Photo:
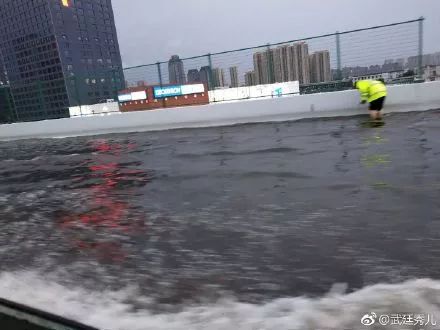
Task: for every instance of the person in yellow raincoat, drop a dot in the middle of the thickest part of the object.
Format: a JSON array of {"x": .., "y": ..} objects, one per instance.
[{"x": 373, "y": 92}]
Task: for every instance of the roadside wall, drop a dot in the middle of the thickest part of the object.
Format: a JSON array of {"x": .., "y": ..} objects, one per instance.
[{"x": 402, "y": 98}]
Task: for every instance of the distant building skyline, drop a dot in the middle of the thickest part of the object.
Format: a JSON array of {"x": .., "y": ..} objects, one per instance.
[
  {"x": 205, "y": 75},
  {"x": 218, "y": 77},
  {"x": 193, "y": 76},
  {"x": 299, "y": 60},
  {"x": 281, "y": 63},
  {"x": 249, "y": 78},
  {"x": 320, "y": 70},
  {"x": 432, "y": 59},
  {"x": 263, "y": 67},
  {"x": 291, "y": 62},
  {"x": 233, "y": 74},
  {"x": 176, "y": 70}
]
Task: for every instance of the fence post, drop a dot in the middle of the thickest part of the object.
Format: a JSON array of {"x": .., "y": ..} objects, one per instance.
[
  {"x": 338, "y": 56},
  {"x": 210, "y": 84},
  {"x": 159, "y": 73},
  {"x": 420, "y": 57}
]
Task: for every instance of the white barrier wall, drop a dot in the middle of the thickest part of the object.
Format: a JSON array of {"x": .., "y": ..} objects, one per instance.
[
  {"x": 94, "y": 110},
  {"x": 402, "y": 98},
  {"x": 259, "y": 91}
]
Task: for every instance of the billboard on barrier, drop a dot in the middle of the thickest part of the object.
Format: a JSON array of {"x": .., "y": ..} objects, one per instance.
[
  {"x": 177, "y": 90},
  {"x": 168, "y": 91},
  {"x": 193, "y": 89},
  {"x": 124, "y": 98},
  {"x": 250, "y": 92},
  {"x": 141, "y": 95}
]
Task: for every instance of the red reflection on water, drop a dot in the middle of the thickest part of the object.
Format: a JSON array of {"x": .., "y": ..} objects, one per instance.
[{"x": 106, "y": 212}]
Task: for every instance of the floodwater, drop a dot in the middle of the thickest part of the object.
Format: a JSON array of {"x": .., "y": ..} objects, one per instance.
[{"x": 298, "y": 225}]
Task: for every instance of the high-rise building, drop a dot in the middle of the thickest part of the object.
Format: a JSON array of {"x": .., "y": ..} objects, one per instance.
[
  {"x": 263, "y": 67},
  {"x": 176, "y": 70},
  {"x": 249, "y": 78},
  {"x": 260, "y": 67},
  {"x": 298, "y": 63},
  {"x": 233, "y": 73},
  {"x": 281, "y": 64},
  {"x": 193, "y": 76},
  {"x": 218, "y": 77},
  {"x": 59, "y": 53},
  {"x": 206, "y": 76},
  {"x": 292, "y": 64},
  {"x": 320, "y": 67}
]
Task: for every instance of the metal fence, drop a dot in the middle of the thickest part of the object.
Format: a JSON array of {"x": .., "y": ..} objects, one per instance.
[
  {"x": 321, "y": 64},
  {"x": 391, "y": 49}
]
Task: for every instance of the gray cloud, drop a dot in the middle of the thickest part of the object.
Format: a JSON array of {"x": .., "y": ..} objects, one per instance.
[{"x": 151, "y": 31}]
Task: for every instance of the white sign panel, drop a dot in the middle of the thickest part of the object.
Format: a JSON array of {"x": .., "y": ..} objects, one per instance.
[
  {"x": 193, "y": 89},
  {"x": 136, "y": 96},
  {"x": 124, "y": 98},
  {"x": 259, "y": 91}
]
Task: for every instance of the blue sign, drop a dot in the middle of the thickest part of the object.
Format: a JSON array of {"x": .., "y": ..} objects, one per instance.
[
  {"x": 279, "y": 92},
  {"x": 168, "y": 91}
]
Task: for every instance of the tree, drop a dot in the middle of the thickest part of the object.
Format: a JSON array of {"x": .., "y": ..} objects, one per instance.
[{"x": 409, "y": 73}]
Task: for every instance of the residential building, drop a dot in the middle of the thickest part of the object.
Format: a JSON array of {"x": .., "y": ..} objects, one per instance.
[
  {"x": 260, "y": 67},
  {"x": 233, "y": 74},
  {"x": 218, "y": 77},
  {"x": 193, "y": 76},
  {"x": 319, "y": 63},
  {"x": 249, "y": 78},
  {"x": 281, "y": 64},
  {"x": 263, "y": 67},
  {"x": 298, "y": 63},
  {"x": 176, "y": 70},
  {"x": 59, "y": 53},
  {"x": 206, "y": 76}
]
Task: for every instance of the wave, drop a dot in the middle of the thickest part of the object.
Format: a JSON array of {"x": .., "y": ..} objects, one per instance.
[
  {"x": 239, "y": 153},
  {"x": 115, "y": 310},
  {"x": 236, "y": 174}
]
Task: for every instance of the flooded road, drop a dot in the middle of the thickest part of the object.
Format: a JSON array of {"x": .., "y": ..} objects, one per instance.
[{"x": 205, "y": 228}]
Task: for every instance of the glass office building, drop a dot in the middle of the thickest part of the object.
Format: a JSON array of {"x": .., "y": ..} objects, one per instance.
[{"x": 58, "y": 54}]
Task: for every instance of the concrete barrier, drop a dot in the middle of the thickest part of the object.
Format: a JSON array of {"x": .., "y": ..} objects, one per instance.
[
  {"x": 414, "y": 97},
  {"x": 94, "y": 110}
]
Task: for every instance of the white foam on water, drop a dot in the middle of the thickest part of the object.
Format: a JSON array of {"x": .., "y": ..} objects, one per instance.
[{"x": 336, "y": 310}]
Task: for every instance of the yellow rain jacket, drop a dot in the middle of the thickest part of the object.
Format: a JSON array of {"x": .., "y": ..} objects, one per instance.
[{"x": 371, "y": 90}]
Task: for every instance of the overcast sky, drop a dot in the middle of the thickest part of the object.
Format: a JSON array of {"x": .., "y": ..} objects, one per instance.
[{"x": 151, "y": 31}]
